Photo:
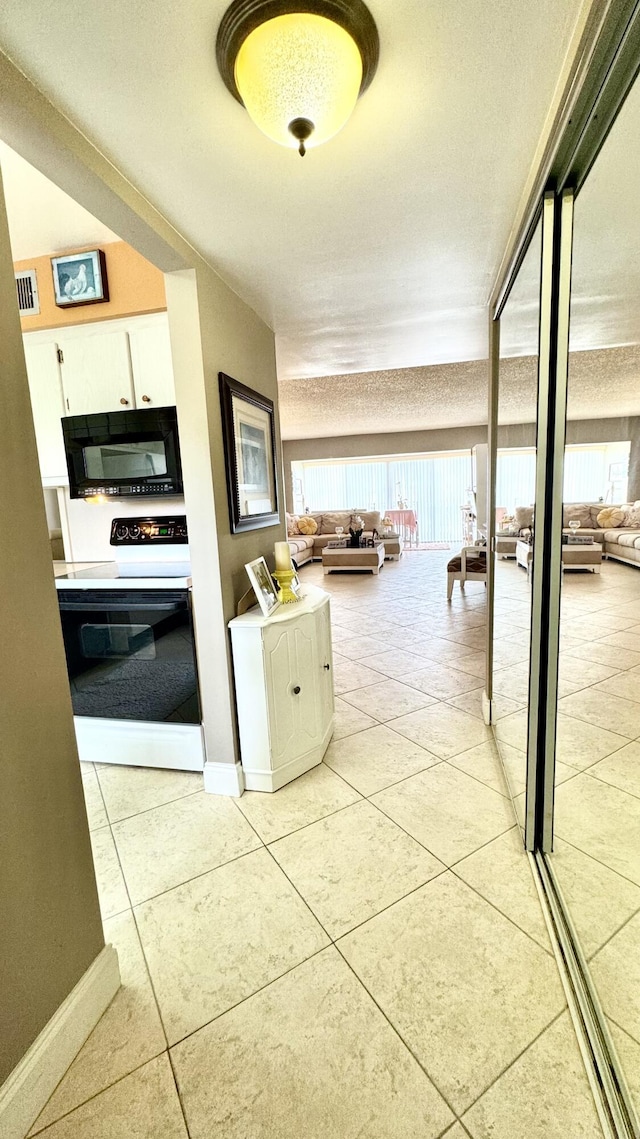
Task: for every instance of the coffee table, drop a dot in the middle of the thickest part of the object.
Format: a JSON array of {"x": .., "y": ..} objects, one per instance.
[
  {"x": 582, "y": 557},
  {"x": 353, "y": 558},
  {"x": 588, "y": 557}
]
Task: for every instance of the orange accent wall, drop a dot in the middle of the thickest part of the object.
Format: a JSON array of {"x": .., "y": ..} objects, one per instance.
[{"x": 135, "y": 287}]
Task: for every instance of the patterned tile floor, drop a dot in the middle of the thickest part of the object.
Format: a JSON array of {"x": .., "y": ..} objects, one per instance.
[{"x": 360, "y": 954}]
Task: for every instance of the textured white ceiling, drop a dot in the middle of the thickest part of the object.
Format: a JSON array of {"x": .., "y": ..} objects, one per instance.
[
  {"x": 376, "y": 251},
  {"x": 43, "y": 219},
  {"x": 605, "y": 298},
  {"x": 602, "y": 384}
]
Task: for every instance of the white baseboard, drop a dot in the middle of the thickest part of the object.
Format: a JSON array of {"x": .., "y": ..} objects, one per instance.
[
  {"x": 26, "y": 1091},
  {"x": 224, "y": 779},
  {"x": 136, "y": 743},
  {"x": 257, "y": 779}
]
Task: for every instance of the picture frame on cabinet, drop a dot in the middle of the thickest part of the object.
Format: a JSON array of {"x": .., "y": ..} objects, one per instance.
[
  {"x": 264, "y": 586},
  {"x": 80, "y": 279},
  {"x": 248, "y": 428}
]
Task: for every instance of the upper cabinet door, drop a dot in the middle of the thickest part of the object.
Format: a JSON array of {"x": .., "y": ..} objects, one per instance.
[
  {"x": 152, "y": 364},
  {"x": 45, "y": 389},
  {"x": 96, "y": 372}
]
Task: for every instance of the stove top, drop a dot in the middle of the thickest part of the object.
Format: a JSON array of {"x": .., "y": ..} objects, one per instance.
[{"x": 129, "y": 575}]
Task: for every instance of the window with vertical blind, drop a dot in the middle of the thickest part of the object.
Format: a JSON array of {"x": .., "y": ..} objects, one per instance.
[
  {"x": 437, "y": 485},
  {"x": 592, "y": 472}
]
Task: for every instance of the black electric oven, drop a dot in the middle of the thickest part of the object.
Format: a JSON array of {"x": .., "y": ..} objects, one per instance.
[
  {"x": 131, "y": 654},
  {"x": 123, "y": 453}
]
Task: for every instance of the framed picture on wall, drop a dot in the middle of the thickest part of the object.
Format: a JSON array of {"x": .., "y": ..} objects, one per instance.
[
  {"x": 80, "y": 279},
  {"x": 263, "y": 585},
  {"x": 249, "y": 446}
]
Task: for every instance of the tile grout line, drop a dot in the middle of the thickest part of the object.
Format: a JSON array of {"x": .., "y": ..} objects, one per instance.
[
  {"x": 194, "y": 877},
  {"x": 178, "y": 1092},
  {"x": 488, "y": 901},
  {"x": 564, "y": 1010},
  {"x": 624, "y": 1030},
  {"x": 156, "y": 807},
  {"x": 388, "y": 786},
  {"x": 399, "y": 1036},
  {"x": 130, "y": 910},
  {"x": 54, "y": 1122},
  {"x": 615, "y": 933},
  {"x": 250, "y": 996},
  {"x": 588, "y": 854},
  {"x": 623, "y": 791}
]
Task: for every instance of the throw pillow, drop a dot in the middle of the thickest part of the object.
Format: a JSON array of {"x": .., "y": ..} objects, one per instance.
[
  {"x": 577, "y": 511},
  {"x": 523, "y": 516},
  {"x": 307, "y": 524},
  {"x": 333, "y": 519},
  {"x": 292, "y": 525},
  {"x": 632, "y": 518},
  {"x": 610, "y": 518}
]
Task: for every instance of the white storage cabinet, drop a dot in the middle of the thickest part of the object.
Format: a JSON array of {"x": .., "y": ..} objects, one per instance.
[{"x": 283, "y": 669}]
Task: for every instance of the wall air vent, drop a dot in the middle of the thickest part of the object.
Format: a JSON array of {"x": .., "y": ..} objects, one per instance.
[{"x": 27, "y": 287}]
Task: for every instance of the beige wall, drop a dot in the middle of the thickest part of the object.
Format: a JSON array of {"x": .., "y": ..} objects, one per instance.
[
  {"x": 213, "y": 331},
  {"x": 50, "y": 930},
  {"x": 135, "y": 287},
  {"x": 394, "y": 443},
  {"x": 460, "y": 439}
]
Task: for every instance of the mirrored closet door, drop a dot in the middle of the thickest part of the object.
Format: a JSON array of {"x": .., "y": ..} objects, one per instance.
[
  {"x": 515, "y": 484},
  {"x": 596, "y": 841}
]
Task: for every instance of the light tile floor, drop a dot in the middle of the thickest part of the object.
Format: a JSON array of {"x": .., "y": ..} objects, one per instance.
[
  {"x": 361, "y": 953},
  {"x": 597, "y": 806}
]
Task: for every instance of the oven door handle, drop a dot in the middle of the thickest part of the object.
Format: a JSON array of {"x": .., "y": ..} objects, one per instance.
[{"x": 121, "y": 607}]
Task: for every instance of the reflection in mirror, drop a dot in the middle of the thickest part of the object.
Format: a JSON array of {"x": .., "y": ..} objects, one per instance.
[
  {"x": 597, "y": 811},
  {"x": 515, "y": 493}
]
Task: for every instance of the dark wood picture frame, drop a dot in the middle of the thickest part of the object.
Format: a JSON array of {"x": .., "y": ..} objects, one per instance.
[
  {"x": 97, "y": 263},
  {"x": 254, "y": 413}
]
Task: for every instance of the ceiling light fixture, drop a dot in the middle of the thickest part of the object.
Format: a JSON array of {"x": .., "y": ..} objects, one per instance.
[{"x": 298, "y": 68}]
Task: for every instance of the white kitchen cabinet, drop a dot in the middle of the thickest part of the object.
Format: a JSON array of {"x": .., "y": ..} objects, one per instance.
[
  {"x": 283, "y": 671},
  {"x": 47, "y": 403},
  {"x": 96, "y": 370},
  {"x": 102, "y": 364},
  {"x": 151, "y": 363}
]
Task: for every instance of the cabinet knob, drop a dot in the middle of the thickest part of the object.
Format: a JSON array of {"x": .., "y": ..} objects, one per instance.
[
  {"x": 296, "y": 690},
  {"x": 146, "y": 399},
  {"x": 123, "y": 400},
  {"x": 327, "y": 667}
]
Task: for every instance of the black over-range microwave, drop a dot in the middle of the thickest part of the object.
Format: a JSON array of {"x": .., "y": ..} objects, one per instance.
[{"x": 123, "y": 453}]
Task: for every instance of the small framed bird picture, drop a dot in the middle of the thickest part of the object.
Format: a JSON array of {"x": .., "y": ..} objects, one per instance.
[{"x": 80, "y": 279}]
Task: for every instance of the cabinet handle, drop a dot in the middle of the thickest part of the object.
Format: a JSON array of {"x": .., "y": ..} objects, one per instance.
[
  {"x": 146, "y": 399},
  {"x": 296, "y": 690},
  {"x": 123, "y": 400},
  {"x": 327, "y": 667}
]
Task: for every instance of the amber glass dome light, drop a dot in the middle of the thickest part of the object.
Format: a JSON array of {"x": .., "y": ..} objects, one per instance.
[{"x": 298, "y": 69}]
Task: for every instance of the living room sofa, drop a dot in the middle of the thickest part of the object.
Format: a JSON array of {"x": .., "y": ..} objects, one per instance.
[
  {"x": 621, "y": 542},
  {"x": 304, "y": 547}
]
